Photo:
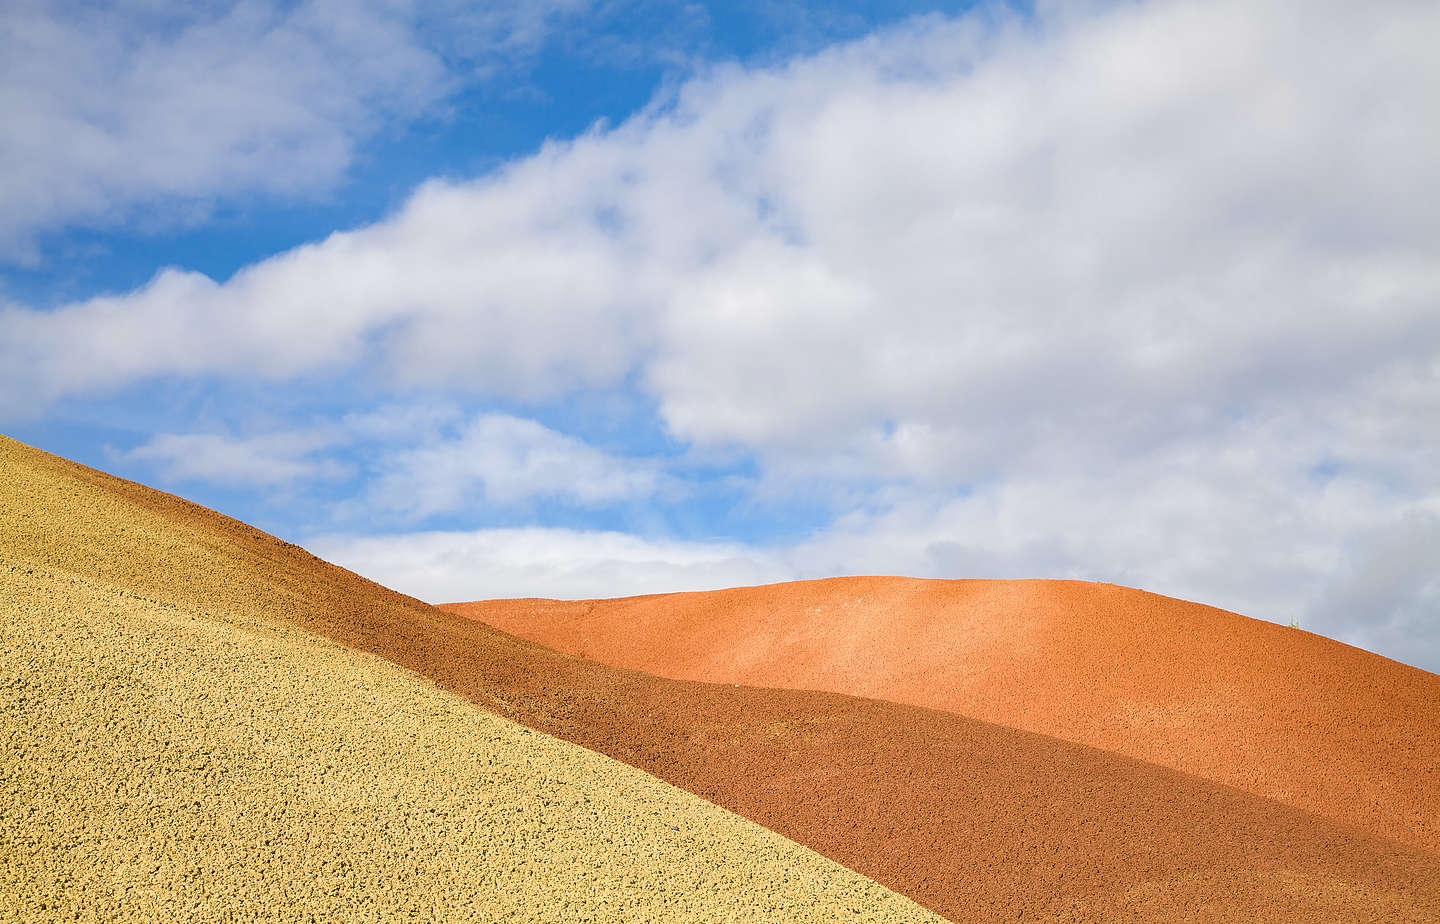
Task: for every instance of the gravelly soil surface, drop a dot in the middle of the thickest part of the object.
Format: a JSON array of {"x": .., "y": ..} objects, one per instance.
[
  {"x": 974, "y": 820},
  {"x": 164, "y": 764},
  {"x": 1281, "y": 713}
]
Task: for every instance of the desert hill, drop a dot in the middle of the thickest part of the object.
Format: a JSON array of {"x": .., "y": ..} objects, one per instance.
[
  {"x": 1277, "y": 712},
  {"x": 168, "y": 763},
  {"x": 971, "y": 819}
]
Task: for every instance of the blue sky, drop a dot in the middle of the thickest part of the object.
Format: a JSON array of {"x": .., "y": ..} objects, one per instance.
[{"x": 582, "y": 298}]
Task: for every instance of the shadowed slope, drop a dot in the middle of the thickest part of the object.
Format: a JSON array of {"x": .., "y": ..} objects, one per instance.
[
  {"x": 976, "y": 821},
  {"x": 1277, "y": 712}
]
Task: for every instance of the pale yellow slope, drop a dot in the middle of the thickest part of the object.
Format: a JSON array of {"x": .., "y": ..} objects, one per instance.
[{"x": 167, "y": 763}]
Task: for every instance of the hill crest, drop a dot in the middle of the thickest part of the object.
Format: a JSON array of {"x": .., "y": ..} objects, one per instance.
[{"x": 1275, "y": 711}]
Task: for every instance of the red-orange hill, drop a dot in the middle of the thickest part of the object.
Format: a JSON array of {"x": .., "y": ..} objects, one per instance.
[{"x": 1274, "y": 711}]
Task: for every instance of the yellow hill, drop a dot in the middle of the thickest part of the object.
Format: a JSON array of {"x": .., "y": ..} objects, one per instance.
[{"x": 167, "y": 757}]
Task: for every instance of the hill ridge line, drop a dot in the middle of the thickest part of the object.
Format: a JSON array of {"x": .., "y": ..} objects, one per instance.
[{"x": 972, "y": 820}]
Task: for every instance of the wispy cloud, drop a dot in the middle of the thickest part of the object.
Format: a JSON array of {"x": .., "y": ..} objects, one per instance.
[
  {"x": 269, "y": 460},
  {"x": 414, "y": 461}
]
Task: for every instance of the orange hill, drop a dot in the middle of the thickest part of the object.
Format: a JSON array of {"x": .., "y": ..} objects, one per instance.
[{"x": 1274, "y": 711}]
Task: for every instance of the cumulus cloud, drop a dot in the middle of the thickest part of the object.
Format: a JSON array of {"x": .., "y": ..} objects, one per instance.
[
  {"x": 444, "y": 567},
  {"x": 155, "y": 109},
  {"x": 1141, "y": 291}
]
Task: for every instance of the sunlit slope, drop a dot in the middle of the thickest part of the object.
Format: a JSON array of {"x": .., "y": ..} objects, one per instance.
[
  {"x": 1281, "y": 713},
  {"x": 974, "y": 820},
  {"x": 172, "y": 764}
]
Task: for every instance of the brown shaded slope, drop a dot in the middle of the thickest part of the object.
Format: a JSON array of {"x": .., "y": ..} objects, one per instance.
[
  {"x": 971, "y": 819},
  {"x": 1284, "y": 714}
]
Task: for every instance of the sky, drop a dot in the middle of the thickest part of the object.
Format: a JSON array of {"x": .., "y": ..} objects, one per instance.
[{"x": 579, "y": 298}]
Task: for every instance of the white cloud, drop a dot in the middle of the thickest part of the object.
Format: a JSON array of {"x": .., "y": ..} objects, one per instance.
[
  {"x": 528, "y": 301},
  {"x": 268, "y": 460},
  {"x": 417, "y": 460},
  {"x": 444, "y": 567},
  {"x": 935, "y": 227},
  {"x": 500, "y": 460},
  {"x": 1153, "y": 288},
  {"x": 154, "y": 109}
]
